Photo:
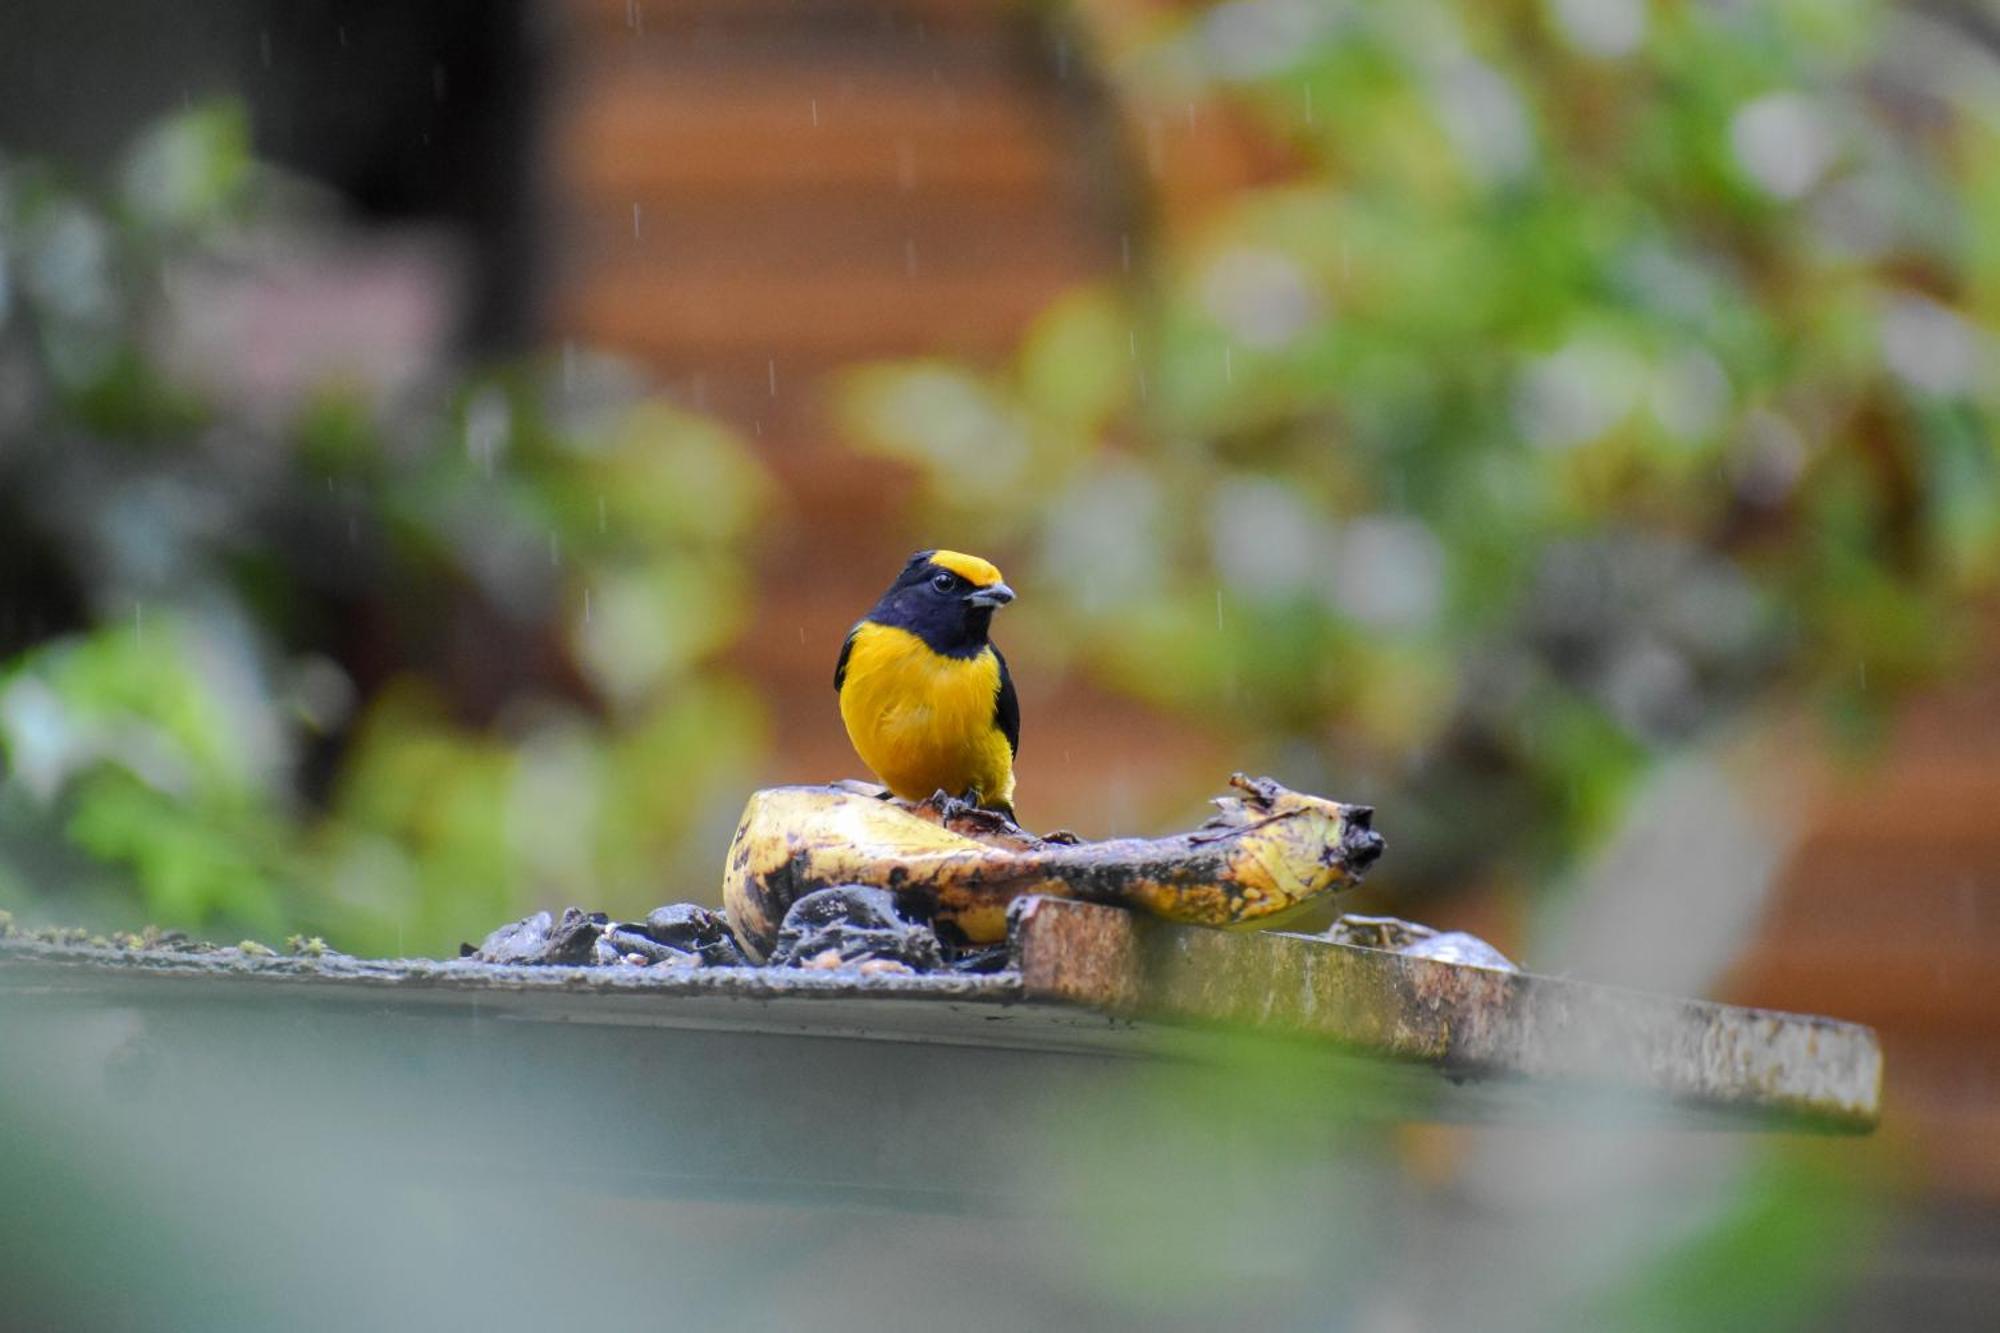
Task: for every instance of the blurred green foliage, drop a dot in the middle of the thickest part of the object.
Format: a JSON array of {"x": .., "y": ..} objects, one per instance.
[
  {"x": 384, "y": 665},
  {"x": 1568, "y": 377}
]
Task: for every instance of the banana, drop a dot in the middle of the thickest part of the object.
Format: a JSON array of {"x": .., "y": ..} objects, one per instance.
[{"x": 1268, "y": 852}]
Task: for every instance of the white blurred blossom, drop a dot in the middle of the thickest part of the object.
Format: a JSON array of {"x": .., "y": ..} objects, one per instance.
[
  {"x": 1690, "y": 396},
  {"x": 1247, "y": 39},
  {"x": 1262, "y": 297},
  {"x": 1929, "y": 347},
  {"x": 1388, "y": 572},
  {"x": 1606, "y": 28},
  {"x": 1770, "y": 458},
  {"x": 1267, "y": 542},
  {"x": 67, "y": 264},
  {"x": 1577, "y": 393},
  {"x": 1102, "y": 538},
  {"x": 1485, "y": 120},
  {"x": 1783, "y": 142}
]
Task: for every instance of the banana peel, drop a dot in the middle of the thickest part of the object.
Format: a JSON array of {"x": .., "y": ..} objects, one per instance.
[{"x": 1268, "y": 852}]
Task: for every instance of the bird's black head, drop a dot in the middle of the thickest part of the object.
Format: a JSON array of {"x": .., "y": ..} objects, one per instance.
[{"x": 945, "y": 598}]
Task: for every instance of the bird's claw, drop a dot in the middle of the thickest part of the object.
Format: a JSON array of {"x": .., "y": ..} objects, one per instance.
[{"x": 966, "y": 811}]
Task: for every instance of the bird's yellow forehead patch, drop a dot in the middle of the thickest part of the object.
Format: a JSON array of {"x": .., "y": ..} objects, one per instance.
[{"x": 979, "y": 573}]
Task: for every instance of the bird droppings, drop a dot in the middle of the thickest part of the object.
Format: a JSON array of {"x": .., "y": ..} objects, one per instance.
[
  {"x": 851, "y": 926},
  {"x": 1407, "y": 937},
  {"x": 846, "y": 927},
  {"x": 677, "y": 935}
]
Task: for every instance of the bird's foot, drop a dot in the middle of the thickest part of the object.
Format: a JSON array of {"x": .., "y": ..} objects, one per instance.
[{"x": 966, "y": 814}]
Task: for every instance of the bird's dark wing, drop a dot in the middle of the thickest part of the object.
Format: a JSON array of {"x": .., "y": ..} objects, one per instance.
[
  {"x": 1007, "y": 708},
  {"x": 840, "y": 667}
]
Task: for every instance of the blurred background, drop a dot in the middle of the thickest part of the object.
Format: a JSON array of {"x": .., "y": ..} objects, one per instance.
[{"x": 443, "y": 444}]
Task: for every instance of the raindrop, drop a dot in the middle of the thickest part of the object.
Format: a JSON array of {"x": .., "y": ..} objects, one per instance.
[
  {"x": 487, "y": 422},
  {"x": 1228, "y": 367},
  {"x": 343, "y": 36},
  {"x": 815, "y": 112},
  {"x": 802, "y": 634},
  {"x": 635, "y": 222},
  {"x": 1132, "y": 341},
  {"x": 586, "y": 606},
  {"x": 437, "y": 81},
  {"x": 773, "y": 367}
]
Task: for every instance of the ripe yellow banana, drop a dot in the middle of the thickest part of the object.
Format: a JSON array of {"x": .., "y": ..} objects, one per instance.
[{"x": 1269, "y": 851}]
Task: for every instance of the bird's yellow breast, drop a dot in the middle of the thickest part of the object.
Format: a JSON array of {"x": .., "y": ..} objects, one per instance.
[{"x": 922, "y": 721}]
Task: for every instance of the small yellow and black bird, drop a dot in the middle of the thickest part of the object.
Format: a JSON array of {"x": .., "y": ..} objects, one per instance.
[{"x": 926, "y": 697}]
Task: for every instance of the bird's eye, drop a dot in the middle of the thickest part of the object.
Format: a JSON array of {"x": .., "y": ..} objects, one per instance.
[{"x": 942, "y": 582}]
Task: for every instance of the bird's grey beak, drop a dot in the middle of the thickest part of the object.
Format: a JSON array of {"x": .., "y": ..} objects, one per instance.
[{"x": 997, "y": 595}]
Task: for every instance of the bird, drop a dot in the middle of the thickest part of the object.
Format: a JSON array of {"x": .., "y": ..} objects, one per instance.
[{"x": 925, "y": 696}]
